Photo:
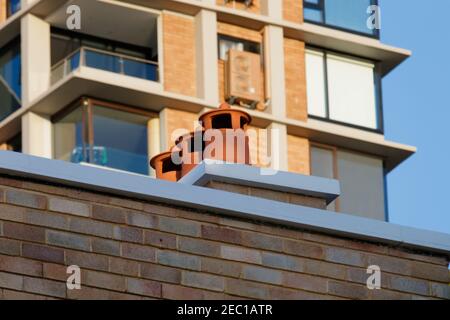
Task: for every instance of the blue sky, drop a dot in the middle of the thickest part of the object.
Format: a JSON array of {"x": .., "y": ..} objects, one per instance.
[{"x": 417, "y": 111}]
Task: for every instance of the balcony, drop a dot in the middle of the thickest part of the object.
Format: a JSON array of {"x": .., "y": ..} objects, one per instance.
[{"x": 106, "y": 61}]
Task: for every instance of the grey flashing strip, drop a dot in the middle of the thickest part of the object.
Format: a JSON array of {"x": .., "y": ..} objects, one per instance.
[
  {"x": 221, "y": 202},
  {"x": 282, "y": 181}
]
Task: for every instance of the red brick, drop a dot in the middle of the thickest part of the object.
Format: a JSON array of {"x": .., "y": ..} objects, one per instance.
[
  {"x": 247, "y": 289},
  {"x": 87, "y": 293},
  {"x": 110, "y": 214},
  {"x": 430, "y": 272},
  {"x": 45, "y": 287},
  {"x": 160, "y": 239},
  {"x": 12, "y": 213},
  {"x": 9, "y": 247},
  {"x": 305, "y": 282},
  {"x": 203, "y": 280},
  {"x": 137, "y": 219},
  {"x": 261, "y": 274},
  {"x": 348, "y": 290},
  {"x": 262, "y": 241},
  {"x": 241, "y": 254},
  {"x": 176, "y": 259},
  {"x": 221, "y": 267},
  {"x": 91, "y": 227},
  {"x": 46, "y": 219},
  {"x": 68, "y": 206},
  {"x": 87, "y": 260},
  {"x": 20, "y": 266},
  {"x": 409, "y": 285},
  {"x": 103, "y": 280},
  {"x": 11, "y": 281},
  {"x": 390, "y": 264},
  {"x": 303, "y": 249},
  {"x": 144, "y": 287},
  {"x": 221, "y": 234},
  {"x": 125, "y": 267},
  {"x": 55, "y": 272},
  {"x": 138, "y": 252},
  {"x": 15, "y": 295},
  {"x": 128, "y": 234},
  {"x": 197, "y": 246},
  {"x": 107, "y": 247},
  {"x": 43, "y": 253},
  {"x": 23, "y": 232},
  {"x": 26, "y": 199},
  {"x": 175, "y": 292},
  {"x": 160, "y": 273},
  {"x": 179, "y": 226},
  {"x": 68, "y": 240}
]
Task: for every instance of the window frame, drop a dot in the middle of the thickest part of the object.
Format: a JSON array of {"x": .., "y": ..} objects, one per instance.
[
  {"x": 235, "y": 39},
  {"x": 378, "y": 92},
  {"x": 87, "y": 104},
  {"x": 334, "y": 150},
  {"x": 321, "y": 8}
]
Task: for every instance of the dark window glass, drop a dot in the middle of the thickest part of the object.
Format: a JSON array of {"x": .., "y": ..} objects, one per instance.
[
  {"x": 69, "y": 138},
  {"x": 120, "y": 140},
  {"x": 10, "y": 79},
  {"x": 351, "y": 15},
  {"x": 12, "y": 7}
]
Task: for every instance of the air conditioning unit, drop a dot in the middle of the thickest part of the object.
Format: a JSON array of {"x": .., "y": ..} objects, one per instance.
[{"x": 243, "y": 78}]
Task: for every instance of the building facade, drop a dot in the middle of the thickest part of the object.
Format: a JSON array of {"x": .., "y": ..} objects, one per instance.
[
  {"x": 112, "y": 92},
  {"x": 104, "y": 94}
]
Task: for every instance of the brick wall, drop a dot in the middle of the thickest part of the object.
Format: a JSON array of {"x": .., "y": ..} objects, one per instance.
[
  {"x": 2, "y": 10},
  {"x": 239, "y": 5},
  {"x": 295, "y": 73},
  {"x": 178, "y": 119},
  {"x": 293, "y": 10},
  {"x": 138, "y": 250},
  {"x": 179, "y": 54},
  {"x": 298, "y": 155}
]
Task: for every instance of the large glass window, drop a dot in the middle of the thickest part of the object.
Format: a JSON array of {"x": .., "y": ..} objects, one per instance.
[
  {"x": 351, "y": 15},
  {"x": 361, "y": 177},
  {"x": 10, "y": 79},
  {"x": 343, "y": 89},
  {"x": 103, "y": 134}
]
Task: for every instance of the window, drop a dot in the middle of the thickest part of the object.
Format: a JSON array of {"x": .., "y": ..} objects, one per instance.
[
  {"x": 361, "y": 177},
  {"x": 226, "y": 43},
  {"x": 12, "y": 6},
  {"x": 10, "y": 79},
  {"x": 349, "y": 15},
  {"x": 343, "y": 89},
  {"x": 103, "y": 134}
]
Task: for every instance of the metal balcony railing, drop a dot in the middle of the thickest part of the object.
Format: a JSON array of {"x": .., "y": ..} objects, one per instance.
[{"x": 107, "y": 61}]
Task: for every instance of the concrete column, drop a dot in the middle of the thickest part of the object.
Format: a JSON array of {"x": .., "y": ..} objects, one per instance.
[
  {"x": 163, "y": 144},
  {"x": 37, "y": 135},
  {"x": 36, "y": 57},
  {"x": 207, "y": 56},
  {"x": 278, "y": 146},
  {"x": 274, "y": 70},
  {"x": 154, "y": 140},
  {"x": 273, "y": 9}
]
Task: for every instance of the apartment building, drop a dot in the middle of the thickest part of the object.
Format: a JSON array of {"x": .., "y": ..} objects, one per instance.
[
  {"x": 108, "y": 97},
  {"x": 112, "y": 93}
]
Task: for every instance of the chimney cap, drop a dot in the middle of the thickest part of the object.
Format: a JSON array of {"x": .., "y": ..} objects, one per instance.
[{"x": 225, "y": 108}]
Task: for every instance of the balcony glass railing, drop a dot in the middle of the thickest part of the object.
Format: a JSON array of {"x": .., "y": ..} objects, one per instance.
[{"x": 107, "y": 61}]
